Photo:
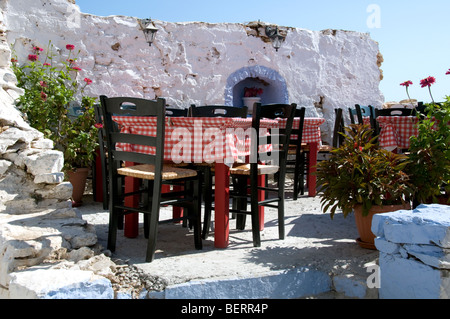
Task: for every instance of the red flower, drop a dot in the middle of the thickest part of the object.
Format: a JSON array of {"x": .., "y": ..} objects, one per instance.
[
  {"x": 407, "y": 83},
  {"x": 75, "y": 68},
  {"x": 70, "y": 47},
  {"x": 427, "y": 82},
  {"x": 14, "y": 60},
  {"x": 47, "y": 64},
  {"x": 252, "y": 92},
  {"x": 88, "y": 81},
  {"x": 43, "y": 84},
  {"x": 448, "y": 72},
  {"x": 32, "y": 57},
  {"x": 37, "y": 49},
  {"x": 98, "y": 125},
  {"x": 44, "y": 96}
]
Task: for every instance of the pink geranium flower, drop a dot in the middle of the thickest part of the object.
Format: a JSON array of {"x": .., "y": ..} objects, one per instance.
[
  {"x": 32, "y": 57},
  {"x": 43, "y": 84},
  {"x": 75, "y": 68},
  {"x": 427, "y": 81},
  {"x": 70, "y": 47},
  {"x": 88, "y": 81},
  {"x": 37, "y": 50},
  {"x": 406, "y": 83}
]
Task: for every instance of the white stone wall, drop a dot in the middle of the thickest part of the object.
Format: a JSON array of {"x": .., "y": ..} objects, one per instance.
[{"x": 192, "y": 62}]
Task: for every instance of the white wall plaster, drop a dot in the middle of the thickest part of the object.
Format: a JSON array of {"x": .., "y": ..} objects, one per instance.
[{"x": 193, "y": 62}]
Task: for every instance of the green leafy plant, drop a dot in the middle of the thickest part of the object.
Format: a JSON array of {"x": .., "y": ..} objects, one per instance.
[
  {"x": 51, "y": 89},
  {"x": 429, "y": 154},
  {"x": 360, "y": 173}
]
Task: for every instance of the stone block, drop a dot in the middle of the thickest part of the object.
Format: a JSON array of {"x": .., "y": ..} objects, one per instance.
[
  {"x": 424, "y": 225},
  {"x": 44, "y": 283},
  {"x": 45, "y": 162},
  {"x": 410, "y": 279}
]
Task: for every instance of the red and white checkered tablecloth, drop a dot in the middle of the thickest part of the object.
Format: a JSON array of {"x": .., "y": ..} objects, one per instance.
[
  {"x": 206, "y": 139},
  {"x": 311, "y": 129},
  {"x": 395, "y": 131}
]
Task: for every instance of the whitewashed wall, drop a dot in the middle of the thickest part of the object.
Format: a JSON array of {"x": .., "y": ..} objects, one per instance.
[{"x": 193, "y": 62}]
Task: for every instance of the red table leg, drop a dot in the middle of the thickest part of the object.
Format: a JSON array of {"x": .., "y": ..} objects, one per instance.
[
  {"x": 222, "y": 208},
  {"x": 312, "y": 159}
]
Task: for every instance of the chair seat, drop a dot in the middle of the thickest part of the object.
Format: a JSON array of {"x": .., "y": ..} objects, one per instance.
[
  {"x": 326, "y": 148},
  {"x": 244, "y": 169},
  {"x": 147, "y": 171}
]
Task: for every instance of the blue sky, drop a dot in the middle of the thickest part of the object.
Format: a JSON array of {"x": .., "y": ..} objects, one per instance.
[{"x": 414, "y": 36}]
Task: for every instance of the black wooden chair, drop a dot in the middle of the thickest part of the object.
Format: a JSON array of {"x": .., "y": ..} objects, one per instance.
[
  {"x": 149, "y": 168},
  {"x": 173, "y": 112},
  {"x": 337, "y": 139},
  {"x": 296, "y": 157},
  {"x": 102, "y": 154},
  {"x": 392, "y": 112},
  {"x": 207, "y": 169},
  {"x": 247, "y": 175},
  {"x": 361, "y": 111},
  {"x": 217, "y": 111}
]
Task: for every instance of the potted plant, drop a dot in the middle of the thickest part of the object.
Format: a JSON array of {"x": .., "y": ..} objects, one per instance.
[
  {"x": 360, "y": 177},
  {"x": 251, "y": 96},
  {"x": 51, "y": 90}
]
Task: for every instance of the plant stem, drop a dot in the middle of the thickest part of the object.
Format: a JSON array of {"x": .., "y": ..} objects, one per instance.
[{"x": 429, "y": 89}]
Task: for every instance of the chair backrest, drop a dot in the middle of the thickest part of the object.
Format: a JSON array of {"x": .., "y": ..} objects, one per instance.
[
  {"x": 217, "y": 111},
  {"x": 173, "y": 112},
  {"x": 392, "y": 112},
  {"x": 339, "y": 127},
  {"x": 299, "y": 113},
  {"x": 352, "y": 112},
  {"x": 279, "y": 138},
  {"x": 395, "y": 112},
  {"x": 361, "y": 111},
  {"x": 127, "y": 106}
]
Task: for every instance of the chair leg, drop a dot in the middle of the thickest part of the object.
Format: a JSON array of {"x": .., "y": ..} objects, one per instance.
[
  {"x": 207, "y": 198},
  {"x": 152, "y": 223},
  {"x": 197, "y": 212},
  {"x": 255, "y": 216},
  {"x": 112, "y": 229},
  {"x": 241, "y": 203}
]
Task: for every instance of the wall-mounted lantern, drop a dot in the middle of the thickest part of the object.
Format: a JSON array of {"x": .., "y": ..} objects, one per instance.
[
  {"x": 273, "y": 33},
  {"x": 149, "y": 30}
]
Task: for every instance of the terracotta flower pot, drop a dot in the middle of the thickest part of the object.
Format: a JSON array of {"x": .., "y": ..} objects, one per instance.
[
  {"x": 364, "y": 223},
  {"x": 78, "y": 180}
]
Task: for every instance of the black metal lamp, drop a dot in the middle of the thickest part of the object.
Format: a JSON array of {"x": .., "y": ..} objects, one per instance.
[
  {"x": 149, "y": 30},
  {"x": 273, "y": 33}
]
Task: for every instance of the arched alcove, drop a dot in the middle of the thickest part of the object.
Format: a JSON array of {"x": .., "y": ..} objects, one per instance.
[{"x": 273, "y": 85}]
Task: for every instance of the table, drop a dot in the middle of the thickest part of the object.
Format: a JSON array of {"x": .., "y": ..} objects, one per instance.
[
  {"x": 212, "y": 140},
  {"x": 395, "y": 131}
]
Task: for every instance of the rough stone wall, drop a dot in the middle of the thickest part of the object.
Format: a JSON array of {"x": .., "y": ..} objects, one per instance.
[
  {"x": 37, "y": 222},
  {"x": 192, "y": 62}
]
